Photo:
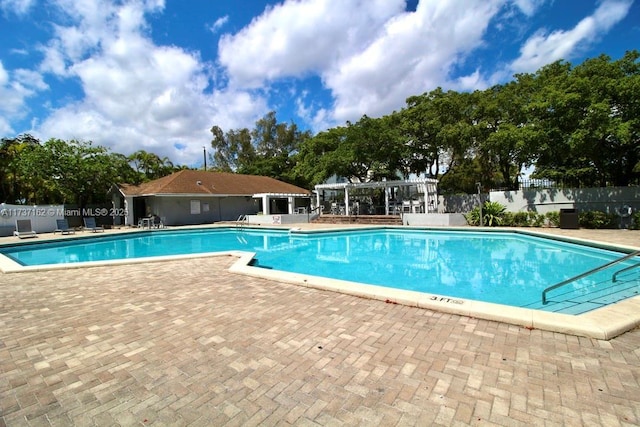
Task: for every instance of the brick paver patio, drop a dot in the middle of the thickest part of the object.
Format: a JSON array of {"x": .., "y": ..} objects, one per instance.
[{"x": 188, "y": 343}]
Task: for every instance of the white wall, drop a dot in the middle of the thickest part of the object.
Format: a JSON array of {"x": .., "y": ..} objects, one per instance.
[
  {"x": 43, "y": 217},
  {"x": 434, "y": 219},
  {"x": 279, "y": 219},
  {"x": 608, "y": 199}
]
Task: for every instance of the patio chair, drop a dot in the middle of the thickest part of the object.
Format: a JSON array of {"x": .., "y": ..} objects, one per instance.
[
  {"x": 62, "y": 226},
  {"x": 23, "y": 229},
  {"x": 157, "y": 222},
  {"x": 90, "y": 224}
]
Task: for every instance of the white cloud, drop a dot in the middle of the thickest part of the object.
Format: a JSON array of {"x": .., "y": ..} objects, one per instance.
[
  {"x": 413, "y": 54},
  {"x": 15, "y": 89},
  {"x": 220, "y": 22},
  {"x": 5, "y": 127},
  {"x": 18, "y": 7},
  {"x": 544, "y": 48},
  {"x": 529, "y": 7},
  {"x": 4, "y": 75},
  {"x": 22, "y": 52},
  {"x": 299, "y": 37},
  {"x": 316, "y": 116},
  {"x": 137, "y": 95},
  {"x": 471, "y": 82},
  {"x": 370, "y": 55},
  {"x": 31, "y": 79}
]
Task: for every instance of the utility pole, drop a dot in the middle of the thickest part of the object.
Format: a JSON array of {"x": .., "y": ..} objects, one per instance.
[{"x": 204, "y": 149}]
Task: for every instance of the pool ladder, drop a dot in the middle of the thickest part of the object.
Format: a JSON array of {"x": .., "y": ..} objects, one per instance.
[
  {"x": 240, "y": 222},
  {"x": 595, "y": 270}
]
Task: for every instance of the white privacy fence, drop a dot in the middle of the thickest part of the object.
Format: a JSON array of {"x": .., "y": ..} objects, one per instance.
[{"x": 43, "y": 217}]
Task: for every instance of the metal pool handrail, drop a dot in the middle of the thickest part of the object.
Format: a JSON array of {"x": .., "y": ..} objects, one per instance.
[
  {"x": 595, "y": 270},
  {"x": 615, "y": 275},
  {"x": 241, "y": 220}
]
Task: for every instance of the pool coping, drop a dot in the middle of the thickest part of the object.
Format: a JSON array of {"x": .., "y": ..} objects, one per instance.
[{"x": 603, "y": 323}]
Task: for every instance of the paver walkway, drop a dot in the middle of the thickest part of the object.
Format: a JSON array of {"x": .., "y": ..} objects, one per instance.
[{"x": 188, "y": 343}]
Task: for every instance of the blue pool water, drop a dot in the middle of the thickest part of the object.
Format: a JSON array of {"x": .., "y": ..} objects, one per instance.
[{"x": 500, "y": 267}]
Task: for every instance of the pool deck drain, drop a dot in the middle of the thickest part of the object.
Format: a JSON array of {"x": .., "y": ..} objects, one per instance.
[{"x": 187, "y": 342}]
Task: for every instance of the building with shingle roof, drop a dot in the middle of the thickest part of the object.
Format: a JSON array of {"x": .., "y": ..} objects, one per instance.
[{"x": 201, "y": 197}]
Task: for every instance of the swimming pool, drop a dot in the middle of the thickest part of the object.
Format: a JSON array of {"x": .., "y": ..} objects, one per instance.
[{"x": 494, "y": 267}]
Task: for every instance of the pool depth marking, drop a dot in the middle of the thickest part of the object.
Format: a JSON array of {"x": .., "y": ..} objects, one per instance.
[{"x": 445, "y": 299}]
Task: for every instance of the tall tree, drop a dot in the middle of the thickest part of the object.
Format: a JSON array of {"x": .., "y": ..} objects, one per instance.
[
  {"x": 370, "y": 149},
  {"x": 231, "y": 150},
  {"x": 440, "y": 130},
  {"x": 507, "y": 139},
  {"x": 13, "y": 187},
  {"x": 70, "y": 172},
  {"x": 150, "y": 166},
  {"x": 590, "y": 118},
  {"x": 269, "y": 149},
  {"x": 317, "y": 159}
]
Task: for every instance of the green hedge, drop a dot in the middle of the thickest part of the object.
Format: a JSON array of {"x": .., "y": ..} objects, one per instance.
[
  {"x": 597, "y": 220},
  {"x": 495, "y": 214},
  {"x": 635, "y": 221}
]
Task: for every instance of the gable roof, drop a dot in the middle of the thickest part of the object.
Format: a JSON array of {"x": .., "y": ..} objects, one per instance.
[{"x": 195, "y": 182}]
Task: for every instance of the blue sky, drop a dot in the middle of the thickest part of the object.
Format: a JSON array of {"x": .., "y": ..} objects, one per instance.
[{"x": 158, "y": 74}]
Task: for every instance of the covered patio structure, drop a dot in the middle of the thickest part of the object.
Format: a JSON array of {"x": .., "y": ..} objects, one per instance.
[
  {"x": 416, "y": 196},
  {"x": 283, "y": 203}
]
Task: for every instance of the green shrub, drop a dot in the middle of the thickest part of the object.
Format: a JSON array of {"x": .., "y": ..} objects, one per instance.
[
  {"x": 597, "y": 220},
  {"x": 492, "y": 214},
  {"x": 521, "y": 219},
  {"x": 553, "y": 218},
  {"x": 473, "y": 217},
  {"x": 635, "y": 221},
  {"x": 508, "y": 219},
  {"x": 536, "y": 219}
]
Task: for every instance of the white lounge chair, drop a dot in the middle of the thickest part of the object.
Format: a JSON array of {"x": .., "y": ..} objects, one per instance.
[
  {"x": 62, "y": 226},
  {"x": 23, "y": 229},
  {"x": 90, "y": 224}
]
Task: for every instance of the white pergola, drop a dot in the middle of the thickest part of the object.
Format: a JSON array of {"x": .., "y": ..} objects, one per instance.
[{"x": 426, "y": 186}]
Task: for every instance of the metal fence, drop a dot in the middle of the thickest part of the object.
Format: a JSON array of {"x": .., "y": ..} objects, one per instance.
[{"x": 543, "y": 184}]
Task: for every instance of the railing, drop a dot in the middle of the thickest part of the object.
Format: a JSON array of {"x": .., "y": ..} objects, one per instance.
[
  {"x": 241, "y": 220},
  {"x": 311, "y": 211},
  {"x": 614, "y": 278},
  {"x": 590, "y": 272}
]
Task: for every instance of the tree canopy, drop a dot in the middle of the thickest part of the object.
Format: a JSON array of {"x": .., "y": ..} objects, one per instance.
[
  {"x": 575, "y": 125},
  {"x": 75, "y": 172},
  {"x": 579, "y": 126},
  {"x": 270, "y": 149}
]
